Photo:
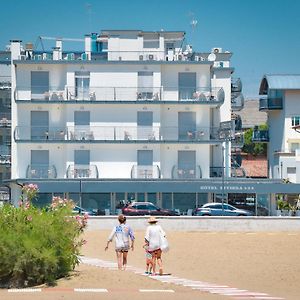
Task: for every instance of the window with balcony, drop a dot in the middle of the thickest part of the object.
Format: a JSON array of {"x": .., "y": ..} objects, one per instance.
[
  {"x": 82, "y": 85},
  {"x": 39, "y": 85},
  {"x": 145, "y": 85},
  {"x": 186, "y": 85},
  {"x": 39, "y": 122}
]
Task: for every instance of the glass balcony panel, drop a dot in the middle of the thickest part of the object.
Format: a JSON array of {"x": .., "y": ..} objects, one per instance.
[
  {"x": 260, "y": 136},
  {"x": 190, "y": 172},
  {"x": 82, "y": 171},
  {"x": 270, "y": 103},
  {"x": 41, "y": 171},
  {"x": 145, "y": 172}
]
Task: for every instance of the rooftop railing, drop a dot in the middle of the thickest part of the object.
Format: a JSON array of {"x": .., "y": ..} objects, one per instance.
[
  {"x": 206, "y": 95},
  {"x": 116, "y": 133},
  {"x": 82, "y": 171},
  {"x": 235, "y": 172},
  {"x": 145, "y": 171}
]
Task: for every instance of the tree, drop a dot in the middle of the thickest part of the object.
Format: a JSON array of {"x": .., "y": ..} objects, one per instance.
[{"x": 251, "y": 147}]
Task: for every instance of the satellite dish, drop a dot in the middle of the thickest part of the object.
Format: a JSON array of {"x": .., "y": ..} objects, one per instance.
[{"x": 212, "y": 57}]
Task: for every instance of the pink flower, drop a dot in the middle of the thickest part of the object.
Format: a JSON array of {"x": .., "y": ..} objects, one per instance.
[{"x": 29, "y": 218}]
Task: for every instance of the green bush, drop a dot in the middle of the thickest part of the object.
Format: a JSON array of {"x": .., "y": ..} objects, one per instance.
[{"x": 38, "y": 245}]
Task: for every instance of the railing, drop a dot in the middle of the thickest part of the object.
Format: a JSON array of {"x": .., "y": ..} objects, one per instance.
[
  {"x": 82, "y": 171},
  {"x": 237, "y": 101},
  {"x": 236, "y": 85},
  {"x": 5, "y": 82},
  {"x": 238, "y": 140},
  {"x": 116, "y": 133},
  {"x": 40, "y": 171},
  {"x": 238, "y": 172},
  {"x": 235, "y": 172},
  {"x": 187, "y": 172},
  {"x": 145, "y": 172},
  {"x": 260, "y": 136},
  {"x": 270, "y": 103},
  {"x": 206, "y": 95},
  {"x": 5, "y": 159}
]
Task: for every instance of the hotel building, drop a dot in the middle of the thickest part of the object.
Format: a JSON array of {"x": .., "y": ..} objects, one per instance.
[{"x": 135, "y": 116}]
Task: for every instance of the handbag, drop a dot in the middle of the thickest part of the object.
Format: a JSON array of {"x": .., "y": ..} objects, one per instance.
[{"x": 164, "y": 244}]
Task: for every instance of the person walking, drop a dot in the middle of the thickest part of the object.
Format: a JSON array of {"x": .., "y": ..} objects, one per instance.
[
  {"x": 153, "y": 236},
  {"x": 123, "y": 235}
]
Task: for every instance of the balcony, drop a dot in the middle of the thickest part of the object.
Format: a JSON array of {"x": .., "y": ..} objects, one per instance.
[
  {"x": 82, "y": 171},
  {"x": 199, "y": 95},
  {"x": 37, "y": 171},
  {"x": 237, "y": 101},
  {"x": 238, "y": 140},
  {"x": 188, "y": 172},
  {"x": 5, "y": 159},
  {"x": 235, "y": 172},
  {"x": 5, "y": 120},
  {"x": 260, "y": 136},
  {"x": 270, "y": 103},
  {"x": 127, "y": 134},
  {"x": 145, "y": 172},
  {"x": 236, "y": 85}
]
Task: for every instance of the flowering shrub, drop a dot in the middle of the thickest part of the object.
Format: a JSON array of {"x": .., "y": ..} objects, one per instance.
[{"x": 38, "y": 245}]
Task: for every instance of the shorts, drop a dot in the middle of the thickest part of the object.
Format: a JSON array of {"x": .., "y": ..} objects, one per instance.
[
  {"x": 122, "y": 249},
  {"x": 156, "y": 253}
]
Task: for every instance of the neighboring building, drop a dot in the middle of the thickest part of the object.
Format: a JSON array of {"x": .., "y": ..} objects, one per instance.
[
  {"x": 254, "y": 166},
  {"x": 282, "y": 103},
  {"x": 135, "y": 116},
  {"x": 5, "y": 123}
]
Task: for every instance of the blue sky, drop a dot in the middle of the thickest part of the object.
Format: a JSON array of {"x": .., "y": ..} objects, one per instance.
[{"x": 264, "y": 35}]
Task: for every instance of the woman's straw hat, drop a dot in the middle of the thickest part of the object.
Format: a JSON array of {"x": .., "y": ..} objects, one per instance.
[{"x": 152, "y": 220}]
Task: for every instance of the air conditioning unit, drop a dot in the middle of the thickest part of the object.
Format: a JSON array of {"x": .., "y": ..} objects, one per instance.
[{"x": 216, "y": 50}]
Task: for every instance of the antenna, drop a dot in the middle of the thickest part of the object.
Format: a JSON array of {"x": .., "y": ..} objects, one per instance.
[
  {"x": 88, "y": 7},
  {"x": 193, "y": 24}
]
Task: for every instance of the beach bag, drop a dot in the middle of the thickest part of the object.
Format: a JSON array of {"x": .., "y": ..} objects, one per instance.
[{"x": 164, "y": 245}]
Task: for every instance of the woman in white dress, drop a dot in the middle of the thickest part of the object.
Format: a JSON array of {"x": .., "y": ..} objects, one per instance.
[{"x": 153, "y": 236}]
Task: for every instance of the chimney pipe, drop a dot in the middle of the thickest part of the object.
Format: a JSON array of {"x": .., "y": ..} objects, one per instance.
[
  {"x": 87, "y": 46},
  {"x": 58, "y": 45},
  {"x": 15, "y": 48}
]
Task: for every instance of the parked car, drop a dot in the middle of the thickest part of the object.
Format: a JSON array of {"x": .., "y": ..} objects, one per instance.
[
  {"x": 146, "y": 208},
  {"x": 82, "y": 211},
  {"x": 219, "y": 209}
]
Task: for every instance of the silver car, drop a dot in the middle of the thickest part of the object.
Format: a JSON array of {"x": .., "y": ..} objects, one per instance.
[{"x": 219, "y": 209}]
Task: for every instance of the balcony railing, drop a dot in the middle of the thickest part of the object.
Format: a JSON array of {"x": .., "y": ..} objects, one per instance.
[
  {"x": 5, "y": 159},
  {"x": 206, "y": 95},
  {"x": 5, "y": 82},
  {"x": 260, "y": 136},
  {"x": 41, "y": 171},
  {"x": 145, "y": 172},
  {"x": 82, "y": 171},
  {"x": 238, "y": 140},
  {"x": 235, "y": 172},
  {"x": 237, "y": 101},
  {"x": 270, "y": 103},
  {"x": 5, "y": 120},
  {"x": 189, "y": 172},
  {"x": 116, "y": 133},
  {"x": 236, "y": 85}
]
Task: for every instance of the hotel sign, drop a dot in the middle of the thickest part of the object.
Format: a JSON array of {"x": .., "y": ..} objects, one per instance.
[{"x": 228, "y": 188}]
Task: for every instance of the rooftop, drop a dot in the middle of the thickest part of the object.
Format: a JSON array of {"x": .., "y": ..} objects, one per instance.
[{"x": 279, "y": 82}]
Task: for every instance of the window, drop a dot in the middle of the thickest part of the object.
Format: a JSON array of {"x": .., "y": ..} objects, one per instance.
[
  {"x": 291, "y": 170},
  {"x": 295, "y": 120}
]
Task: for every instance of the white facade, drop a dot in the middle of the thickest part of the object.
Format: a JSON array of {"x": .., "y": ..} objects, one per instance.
[
  {"x": 134, "y": 105},
  {"x": 283, "y": 108}
]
